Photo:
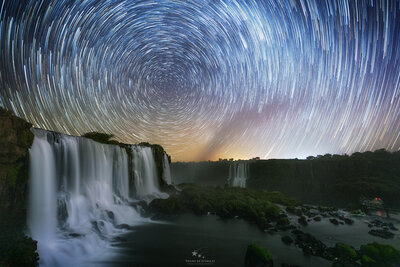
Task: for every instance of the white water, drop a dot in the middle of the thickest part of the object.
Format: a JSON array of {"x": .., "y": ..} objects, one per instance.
[
  {"x": 80, "y": 193},
  {"x": 145, "y": 174},
  {"x": 238, "y": 174},
  {"x": 167, "y": 170}
]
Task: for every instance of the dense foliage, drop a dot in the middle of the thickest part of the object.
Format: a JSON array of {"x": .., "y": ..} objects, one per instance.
[
  {"x": 253, "y": 205},
  {"x": 378, "y": 255},
  {"x": 258, "y": 256},
  {"x": 101, "y": 138},
  {"x": 332, "y": 179}
]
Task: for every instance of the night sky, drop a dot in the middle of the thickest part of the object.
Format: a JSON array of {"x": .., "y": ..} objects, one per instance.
[{"x": 208, "y": 79}]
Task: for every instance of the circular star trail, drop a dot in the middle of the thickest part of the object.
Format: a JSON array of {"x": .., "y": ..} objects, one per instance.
[{"x": 208, "y": 79}]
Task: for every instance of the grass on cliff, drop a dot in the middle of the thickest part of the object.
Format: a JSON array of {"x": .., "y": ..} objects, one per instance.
[
  {"x": 253, "y": 205},
  {"x": 101, "y": 138}
]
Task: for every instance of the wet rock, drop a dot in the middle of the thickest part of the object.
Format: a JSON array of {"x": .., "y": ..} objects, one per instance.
[
  {"x": 119, "y": 239},
  {"x": 287, "y": 240},
  {"x": 96, "y": 225},
  {"x": 75, "y": 235},
  {"x": 282, "y": 221},
  {"x": 310, "y": 245},
  {"x": 143, "y": 204},
  {"x": 392, "y": 227},
  {"x": 62, "y": 211},
  {"x": 291, "y": 209},
  {"x": 317, "y": 219},
  {"x": 334, "y": 214},
  {"x": 348, "y": 221},
  {"x": 285, "y": 227},
  {"x": 334, "y": 221},
  {"x": 110, "y": 214},
  {"x": 381, "y": 233},
  {"x": 303, "y": 221},
  {"x": 124, "y": 226}
]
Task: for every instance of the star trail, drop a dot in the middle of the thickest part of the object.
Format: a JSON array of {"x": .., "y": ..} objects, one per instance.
[{"x": 208, "y": 79}]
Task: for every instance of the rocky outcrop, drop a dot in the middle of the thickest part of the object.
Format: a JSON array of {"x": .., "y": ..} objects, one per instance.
[{"x": 15, "y": 141}]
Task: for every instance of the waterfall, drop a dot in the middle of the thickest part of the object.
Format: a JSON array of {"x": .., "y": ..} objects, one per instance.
[
  {"x": 238, "y": 174},
  {"x": 167, "y": 170},
  {"x": 145, "y": 174},
  {"x": 80, "y": 194}
]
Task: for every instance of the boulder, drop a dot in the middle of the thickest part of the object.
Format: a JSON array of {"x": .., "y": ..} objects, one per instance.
[
  {"x": 334, "y": 221},
  {"x": 303, "y": 221},
  {"x": 317, "y": 219},
  {"x": 287, "y": 240},
  {"x": 348, "y": 221},
  {"x": 310, "y": 245},
  {"x": 381, "y": 233}
]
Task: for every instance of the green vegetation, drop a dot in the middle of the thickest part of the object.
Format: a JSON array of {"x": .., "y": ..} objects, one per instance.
[
  {"x": 345, "y": 252},
  {"x": 101, "y": 138},
  {"x": 253, "y": 205},
  {"x": 333, "y": 180},
  {"x": 370, "y": 255},
  {"x": 375, "y": 254},
  {"x": 258, "y": 256},
  {"x": 16, "y": 249}
]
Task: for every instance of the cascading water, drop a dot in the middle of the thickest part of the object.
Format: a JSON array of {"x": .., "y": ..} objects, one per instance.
[
  {"x": 167, "y": 170},
  {"x": 238, "y": 174},
  {"x": 80, "y": 194},
  {"x": 145, "y": 173}
]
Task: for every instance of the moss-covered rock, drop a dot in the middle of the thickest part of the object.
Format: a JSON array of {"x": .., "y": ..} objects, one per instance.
[
  {"x": 15, "y": 140},
  {"x": 16, "y": 249},
  {"x": 345, "y": 255},
  {"x": 375, "y": 254},
  {"x": 345, "y": 251},
  {"x": 257, "y": 256},
  {"x": 15, "y": 137}
]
